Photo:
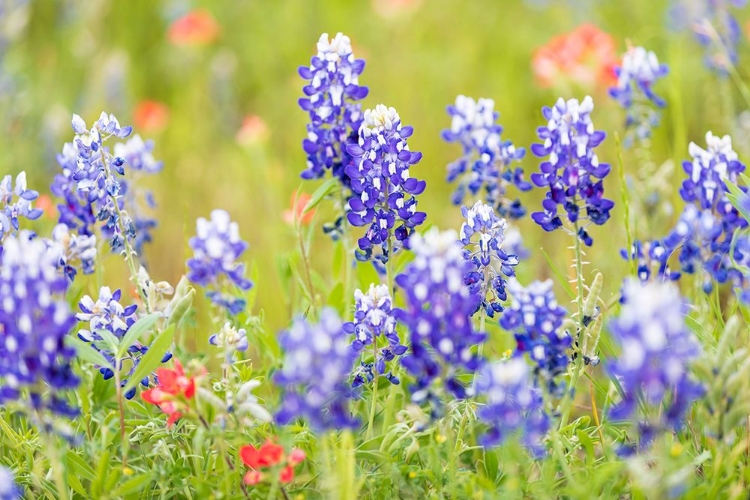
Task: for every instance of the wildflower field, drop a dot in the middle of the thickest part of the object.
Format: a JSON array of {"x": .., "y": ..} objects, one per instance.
[{"x": 377, "y": 249}]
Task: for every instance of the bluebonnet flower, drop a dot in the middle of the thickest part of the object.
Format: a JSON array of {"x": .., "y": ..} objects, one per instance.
[
  {"x": 513, "y": 243},
  {"x": 34, "y": 321},
  {"x": 10, "y": 211},
  {"x": 138, "y": 156},
  {"x": 636, "y": 76},
  {"x": 331, "y": 96},
  {"x": 230, "y": 339},
  {"x": 383, "y": 190},
  {"x": 709, "y": 222},
  {"x": 513, "y": 405},
  {"x": 483, "y": 236},
  {"x": 487, "y": 160},
  {"x": 572, "y": 172},
  {"x": 652, "y": 260},
  {"x": 93, "y": 187},
  {"x": 318, "y": 359},
  {"x": 106, "y": 313},
  {"x": 217, "y": 247},
  {"x": 657, "y": 349},
  {"x": 8, "y": 488},
  {"x": 373, "y": 319},
  {"x": 75, "y": 251},
  {"x": 715, "y": 28},
  {"x": 438, "y": 313},
  {"x": 535, "y": 318}
]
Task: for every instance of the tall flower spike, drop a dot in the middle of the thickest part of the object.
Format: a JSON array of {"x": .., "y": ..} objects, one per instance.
[
  {"x": 75, "y": 251},
  {"x": 483, "y": 235},
  {"x": 487, "y": 161},
  {"x": 636, "y": 76},
  {"x": 513, "y": 405},
  {"x": 535, "y": 318},
  {"x": 715, "y": 27},
  {"x": 572, "y": 173},
  {"x": 106, "y": 313},
  {"x": 217, "y": 247},
  {"x": 318, "y": 359},
  {"x": 383, "y": 190},
  {"x": 374, "y": 319},
  {"x": 34, "y": 321},
  {"x": 10, "y": 211},
  {"x": 438, "y": 313},
  {"x": 704, "y": 233},
  {"x": 8, "y": 488},
  {"x": 331, "y": 94},
  {"x": 652, "y": 260},
  {"x": 657, "y": 348},
  {"x": 95, "y": 187}
]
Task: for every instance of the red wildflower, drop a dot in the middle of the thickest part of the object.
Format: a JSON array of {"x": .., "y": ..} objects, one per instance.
[
  {"x": 587, "y": 56},
  {"x": 252, "y": 131},
  {"x": 295, "y": 212},
  {"x": 269, "y": 455},
  {"x": 44, "y": 202},
  {"x": 174, "y": 390},
  {"x": 150, "y": 116},
  {"x": 197, "y": 27}
]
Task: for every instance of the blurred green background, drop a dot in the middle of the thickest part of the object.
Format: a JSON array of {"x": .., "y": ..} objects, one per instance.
[{"x": 61, "y": 57}]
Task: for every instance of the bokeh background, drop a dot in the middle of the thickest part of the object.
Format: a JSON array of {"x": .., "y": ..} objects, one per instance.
[{"x": 222, "y": 106}]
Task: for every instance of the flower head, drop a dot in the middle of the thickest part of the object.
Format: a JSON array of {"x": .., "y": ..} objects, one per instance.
[
  {"x": 330, "y": 99},
  {"x": 374, "y": 319},
  {"x": 572, "y": 173},
  {"x": 438, "y": 314},
  {"x": 483, "y": 235},
  {"x": 106, "y": 313},
  {"x": 657, "y": 348},
  {"x": 197, "y": 27},
  {"x": 11, "y": 210},
  {"x": 636, "y": 76},
  {"x": 270, "y": 456},
  {"x": 513, "y": 404},
  {"x": 486, "y": 163},
  {"x": 175, "y": 388},
  {"x": 217, "y": 247},
  {"x": 34, "y": 321},
  {"x": 8, "y": 488},
  {"x": 230, "y": 339},
  {"x": 94, "y": 187},
  {"x": 75, "y": 251},
  {"x": 383, "y": 190},
  {"x": 317, "y": 362},
  {"x": 586, "y": 57},
  {"x": 535, "y": 318},
  {"x": 150, "y": 116}
]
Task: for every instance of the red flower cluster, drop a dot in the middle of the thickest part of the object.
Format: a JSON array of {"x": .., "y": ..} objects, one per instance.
[
  {"x": 586, "y": 56},
  {"x": 197, "y": 27},
  {"x": 150, "y": 116},
  {"x": 174, "y": 391},
  {"x": 269, "y": 455}
]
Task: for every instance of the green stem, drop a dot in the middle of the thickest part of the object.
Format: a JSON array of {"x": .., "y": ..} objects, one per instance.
[
  {"x": 578, "y": 365},
  {"x": 306, "y": 264},
  {"x": 121, "y": 410}
]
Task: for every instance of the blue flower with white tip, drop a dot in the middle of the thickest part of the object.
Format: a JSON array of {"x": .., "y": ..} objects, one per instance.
[{"x": 486, "y": 165}]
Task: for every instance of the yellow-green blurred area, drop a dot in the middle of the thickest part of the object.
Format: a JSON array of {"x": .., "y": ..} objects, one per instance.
[{"x": 87, "y": 56}]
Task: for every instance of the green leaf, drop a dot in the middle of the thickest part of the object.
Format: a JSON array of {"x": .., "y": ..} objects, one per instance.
[
  {"x": 109, "y": 338},
  {"x": 737, "y": 197},
  {"x": 79, "y": 466},
  {"x": 133, "y": 485},
  {"x": 85, "y": 352},
  {"x": 559, "y": 275},
  {"x": 136, "y": 332},
  {"x": 321, "y": 193},
  {"x": 181, "y": 307},
  {"x": 152, "y": 359}
]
